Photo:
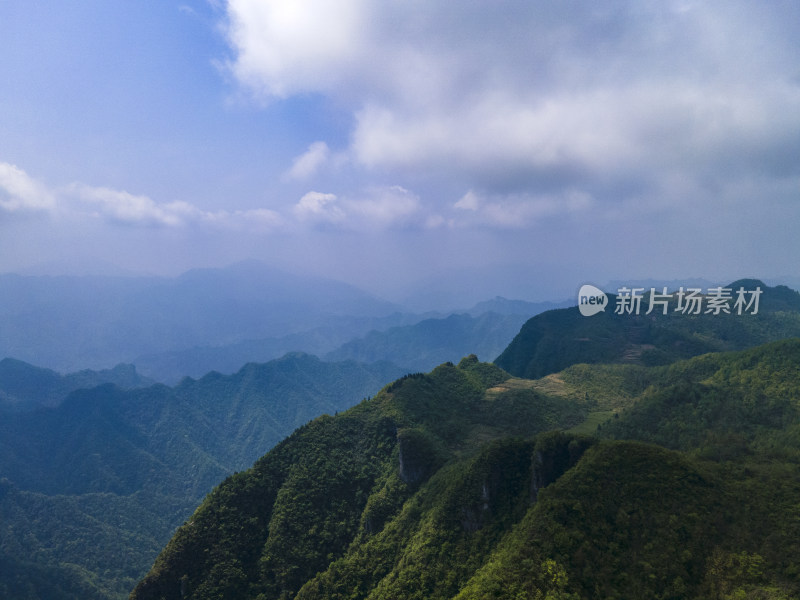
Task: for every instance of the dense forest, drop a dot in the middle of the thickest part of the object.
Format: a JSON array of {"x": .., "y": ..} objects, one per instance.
[
  {"x": 92, "y": 488},
  {"x": 468, "y": 483},
  {"x": 557, "y": 339}
]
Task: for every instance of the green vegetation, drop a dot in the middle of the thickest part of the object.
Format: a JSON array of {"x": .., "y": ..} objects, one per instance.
[
  {"x": 94, "y": 488},
  {"x": 552, "y": 341},
  {"x": 721, "y": 407},
  {"x": 80, "y": 546},
  {"x": 465, "y": 483},
  {"x": 635, "y": 464}
]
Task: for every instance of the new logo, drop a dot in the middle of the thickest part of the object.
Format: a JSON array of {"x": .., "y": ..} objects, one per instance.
[{"x": 591, "y": 300}]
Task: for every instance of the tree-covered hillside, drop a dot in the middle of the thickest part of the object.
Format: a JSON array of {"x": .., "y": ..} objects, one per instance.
[
  {"x": 93, "y": 488},
  {"x": 446, "y": 485},
  {"x": 554, "y": 340}
]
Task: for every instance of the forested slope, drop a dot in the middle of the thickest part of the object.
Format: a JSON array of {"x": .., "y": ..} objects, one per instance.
[
  {"x": 556, "y": 339},
  {"x": 446, "y": 485},
  {"x": 90, "y": 490}
]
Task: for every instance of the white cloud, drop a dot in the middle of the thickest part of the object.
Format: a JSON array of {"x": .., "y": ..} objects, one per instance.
[
  {"x": 376, "y": 208},
  {"x": 531, "y": 97},
  {"x": 517, "y": 211},
  {"x": 469, "y": 201},
  {"x": 285, "y": 48},
  {"x": 308, "y": 163},
  {"x": 130, "y": 209},
  {"x": 319, "y": 207},
  {"x": 386, "y": 206},
  {"x": 20, "y": 192}
]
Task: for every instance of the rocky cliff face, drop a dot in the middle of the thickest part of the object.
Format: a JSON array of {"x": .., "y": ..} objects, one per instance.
[
  {"x": 554, "y": 455},
  {"x": 418, "y": 455}
]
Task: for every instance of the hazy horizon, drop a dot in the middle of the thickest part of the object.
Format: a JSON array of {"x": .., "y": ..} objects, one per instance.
[{"x": 453, "y": 291}]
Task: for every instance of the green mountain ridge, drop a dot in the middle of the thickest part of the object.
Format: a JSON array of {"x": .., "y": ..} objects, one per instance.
[
  {"x": 25, "y": 387},
  {"x": 97, "y": 484},
  {"x": 554, "y": 340},
  {"x": 446, "y": 485}
]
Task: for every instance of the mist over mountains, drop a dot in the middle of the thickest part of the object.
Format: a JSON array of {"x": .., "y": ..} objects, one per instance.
[
  {"x": 394, "y": 396},
  {"x": 426, "y": 344},
  {"x": 73, "y": 323},
  {"x": 98, "y": 466},
  {"x": 25, "y": 387},
  {"x": 410, "y": 341},
  {"x": 219, "y": 319}
]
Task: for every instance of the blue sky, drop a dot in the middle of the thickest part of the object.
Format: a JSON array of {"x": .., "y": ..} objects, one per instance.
[{"x": 519, "y": 147}]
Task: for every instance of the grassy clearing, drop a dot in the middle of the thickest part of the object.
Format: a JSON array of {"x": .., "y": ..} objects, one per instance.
[{"x": 589, "y": 426}]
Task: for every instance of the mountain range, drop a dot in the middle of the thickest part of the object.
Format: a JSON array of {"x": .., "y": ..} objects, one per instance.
[
  {"x": 559, "y": 338},
  {"x": 24, "y": 386},
  {"x": 411, "y": 341},
  {"x": 217, "y": 320},
  {"x": 71, "y": 323},
  {"x": 94, "y": 486},
  {"x": 422, "y": 346},
  {"x": 453, "y": 485},
  {"x": 442, "y": 485}
]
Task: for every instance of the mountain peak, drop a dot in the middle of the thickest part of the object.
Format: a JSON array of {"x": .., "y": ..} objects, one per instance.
[{"x": 748, "y": 284}]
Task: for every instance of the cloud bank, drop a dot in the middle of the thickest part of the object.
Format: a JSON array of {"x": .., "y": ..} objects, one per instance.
[
  {"x": 656, "y": 137},
  {"x": 375, "y": 208},
  {"x": 19, "y": 192},
  {"x": 615, "y": 101}
]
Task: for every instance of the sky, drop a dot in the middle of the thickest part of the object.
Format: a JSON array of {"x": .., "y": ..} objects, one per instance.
[{"x": 516, "y": 147}]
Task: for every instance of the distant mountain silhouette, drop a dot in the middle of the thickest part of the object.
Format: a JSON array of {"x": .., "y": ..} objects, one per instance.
[
  {"x": 71, "y": 323},
  {"x": 426, "y": 344},
  {"x": 25, "y": 387}
]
